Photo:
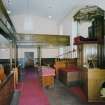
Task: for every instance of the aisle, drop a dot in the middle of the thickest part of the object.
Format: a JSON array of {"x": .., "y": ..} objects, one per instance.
[
  {"x": 63, "y": 95},
  {"x": 31, "y": 92},
  {"x": 60, "y": 95}
]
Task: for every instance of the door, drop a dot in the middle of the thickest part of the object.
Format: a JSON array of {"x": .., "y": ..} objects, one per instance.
[{"x": 29, "y": 59}]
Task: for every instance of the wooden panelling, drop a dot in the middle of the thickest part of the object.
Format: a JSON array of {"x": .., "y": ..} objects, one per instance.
[
  {"x": 47, "y": 81},
  {"x": 63, "y": 63},
  {"x": 56, "y": 40},
  {"x": 92, "y": 83},
  {"x": 69, "y": 76}
]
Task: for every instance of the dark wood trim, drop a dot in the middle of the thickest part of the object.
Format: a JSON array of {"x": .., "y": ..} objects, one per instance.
[
  {"x": 10, "y": 32},
  {"x": 6, "y": 15}
]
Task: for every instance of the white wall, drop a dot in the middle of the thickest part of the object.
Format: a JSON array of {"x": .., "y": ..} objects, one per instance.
[
  {"x": 45, "y": 52},
  {"x": 70, "y": 27},
  {"x": 34, "y": 24},
  {"x": 83, "y": 28},
  {"x": 4, "y": 53},
  {"x": 66, "y": 27},
  {"x": 22, "y": 50},
  {"x": 38, "y": 25},
  {"x": 50, "y": 52},
  {"x": 4, "y": 48}
]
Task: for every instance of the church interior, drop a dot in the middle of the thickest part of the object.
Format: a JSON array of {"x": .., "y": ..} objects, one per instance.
[{"x": 52, "y": 52}]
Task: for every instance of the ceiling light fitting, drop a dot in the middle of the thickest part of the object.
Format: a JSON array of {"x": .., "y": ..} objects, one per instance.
[
  {"x": 8, "y": 11},
  {"x": 49, "y": 17}
]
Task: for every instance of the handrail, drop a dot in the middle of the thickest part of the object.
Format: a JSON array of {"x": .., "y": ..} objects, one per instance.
[
  {"x": 6, "y": 80},
  {"x": 6, "y": 90},
  {"x": 69, "y": 52}
]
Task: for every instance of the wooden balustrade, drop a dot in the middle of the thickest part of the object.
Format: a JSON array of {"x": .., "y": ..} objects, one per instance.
[{"x": 6, "y": 90}]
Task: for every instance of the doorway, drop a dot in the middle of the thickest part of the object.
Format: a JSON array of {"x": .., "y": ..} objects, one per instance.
[{"x": 29, "y": 59}]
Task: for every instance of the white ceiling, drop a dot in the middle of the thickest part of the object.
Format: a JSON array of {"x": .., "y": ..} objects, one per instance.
[{"x": 58, "y": 9}]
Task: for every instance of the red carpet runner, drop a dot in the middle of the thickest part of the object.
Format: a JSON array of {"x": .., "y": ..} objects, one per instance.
[{"x": 31, "y": 92}]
